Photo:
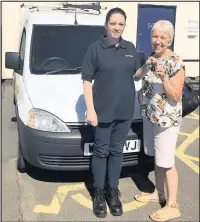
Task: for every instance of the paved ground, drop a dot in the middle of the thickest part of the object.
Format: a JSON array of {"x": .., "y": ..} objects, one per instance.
[{"x": 57, "y": 196}]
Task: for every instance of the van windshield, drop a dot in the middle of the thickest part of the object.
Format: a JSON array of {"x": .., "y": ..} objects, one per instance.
[{"x": 61, "y": 47}]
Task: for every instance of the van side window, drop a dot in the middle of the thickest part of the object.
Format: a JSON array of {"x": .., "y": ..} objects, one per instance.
[{"x": 22, "y": 48}]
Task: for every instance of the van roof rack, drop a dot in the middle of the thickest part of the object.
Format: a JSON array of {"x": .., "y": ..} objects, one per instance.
[{"x": 95, "y": 6}]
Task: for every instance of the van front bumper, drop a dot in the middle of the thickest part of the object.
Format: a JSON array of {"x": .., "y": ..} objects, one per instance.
[{"x": 64, "y": 151}]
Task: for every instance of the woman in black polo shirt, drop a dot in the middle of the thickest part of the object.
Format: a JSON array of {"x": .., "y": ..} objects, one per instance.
[{"x": 110, "y": 62}]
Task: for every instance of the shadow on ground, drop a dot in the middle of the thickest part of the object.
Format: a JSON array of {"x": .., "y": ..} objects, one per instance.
[{"x": 138, "y": 174}]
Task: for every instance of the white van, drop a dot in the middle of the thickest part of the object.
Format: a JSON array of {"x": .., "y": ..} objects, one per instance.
[{"x": 48, "y": 93}]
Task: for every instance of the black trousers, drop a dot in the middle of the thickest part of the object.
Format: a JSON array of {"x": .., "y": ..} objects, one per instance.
[{"x": 107, "y": 153}]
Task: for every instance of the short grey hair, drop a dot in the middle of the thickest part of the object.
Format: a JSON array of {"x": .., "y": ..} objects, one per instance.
[{"x": 166, "y": 26}]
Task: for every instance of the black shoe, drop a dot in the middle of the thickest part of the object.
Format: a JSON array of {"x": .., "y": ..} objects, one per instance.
[
  {"x": 99, "y": 203},
  {"x": 114, "y": 203}
]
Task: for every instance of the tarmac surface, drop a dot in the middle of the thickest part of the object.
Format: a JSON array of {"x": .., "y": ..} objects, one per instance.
[{"x": 64, "y": 196}]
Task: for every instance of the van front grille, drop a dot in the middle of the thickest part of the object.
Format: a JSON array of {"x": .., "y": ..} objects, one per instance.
[{"x": 128, "y": 158}]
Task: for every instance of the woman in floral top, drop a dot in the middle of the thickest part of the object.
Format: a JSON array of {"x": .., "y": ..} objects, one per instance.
[
  {"x": 160, "y": 109},
  {"x": 163, "y": 77}
]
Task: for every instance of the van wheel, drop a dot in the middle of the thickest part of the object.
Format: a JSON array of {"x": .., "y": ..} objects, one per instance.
[{"x": 21, "y": 164}]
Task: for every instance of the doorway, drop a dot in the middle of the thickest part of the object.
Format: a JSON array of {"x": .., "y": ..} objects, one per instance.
[{"x": 147, "y": 16}]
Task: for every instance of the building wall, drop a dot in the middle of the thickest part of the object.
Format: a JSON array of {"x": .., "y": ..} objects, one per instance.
[
  {"x": 187, "y": 48},
  {"x": 10, "y": 32}
]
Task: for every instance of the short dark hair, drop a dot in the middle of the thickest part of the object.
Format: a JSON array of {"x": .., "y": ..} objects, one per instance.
[{"x": 115, "y": 11}]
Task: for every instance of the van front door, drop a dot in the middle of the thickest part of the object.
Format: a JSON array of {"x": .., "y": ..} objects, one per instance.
[{"x": 147, "y": 16}]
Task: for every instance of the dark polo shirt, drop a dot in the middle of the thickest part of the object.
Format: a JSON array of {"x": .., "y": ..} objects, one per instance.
[{"x": 112, "y": 70}]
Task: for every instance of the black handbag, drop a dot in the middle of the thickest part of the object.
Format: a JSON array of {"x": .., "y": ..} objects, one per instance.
[{"x": 190, "y": 100}]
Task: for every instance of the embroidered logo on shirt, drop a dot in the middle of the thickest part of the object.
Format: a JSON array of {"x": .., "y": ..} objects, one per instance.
[{"x": 129, "y": 56}]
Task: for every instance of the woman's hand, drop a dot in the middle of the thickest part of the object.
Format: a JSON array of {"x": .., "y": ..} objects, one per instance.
[
  {"x": 141, "y": 72},
  {"x": 92, "y": 117},
  {"x": 151, "y": 60},
  {"x": 160, "y": 72}
]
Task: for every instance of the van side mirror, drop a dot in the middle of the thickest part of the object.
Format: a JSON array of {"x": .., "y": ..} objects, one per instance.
[
  {"x": 142, "y": 58},
  {"x": 12, "y": 61}
]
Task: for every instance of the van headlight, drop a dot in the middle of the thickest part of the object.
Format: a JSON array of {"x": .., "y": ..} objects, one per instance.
[{"x": 42, "y": 120}]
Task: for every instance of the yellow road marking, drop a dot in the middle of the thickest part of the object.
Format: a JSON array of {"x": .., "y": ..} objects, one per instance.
[
  {"x": 58, "y": 199},
  {"x": 188, "y": 162},
  {"x": 62, "y": 191},
  {"x": 180, "y": 151},
  {"x": 85, "y": 202},
  {"x": 184, "y": 134},
  {"x": 133, "y": 205},
  {"x": 192, "y": 158},
  {"x": 192, "y": 116},
  {"x": 195, "y": 115},
  {"x": 190, "y": 139}
]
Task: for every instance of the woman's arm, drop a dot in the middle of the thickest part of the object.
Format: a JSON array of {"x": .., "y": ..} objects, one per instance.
[
  {"x": 141, "y": 72},
  {"x": 174, "y": 87},
  {"x": 88, "y": 70},
  {"x": 91, "y": 114},
  {"x": 87, "y": 90}
]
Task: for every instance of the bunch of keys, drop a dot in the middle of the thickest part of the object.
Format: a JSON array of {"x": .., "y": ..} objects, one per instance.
[{"x": 153, "y": 66}]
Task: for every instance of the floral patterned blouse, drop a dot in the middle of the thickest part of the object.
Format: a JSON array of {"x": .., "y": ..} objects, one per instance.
[{"x": 158, "y": 108}]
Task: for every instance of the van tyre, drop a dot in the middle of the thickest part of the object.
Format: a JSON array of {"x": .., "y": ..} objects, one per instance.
[{"x": 21, "y": 164}]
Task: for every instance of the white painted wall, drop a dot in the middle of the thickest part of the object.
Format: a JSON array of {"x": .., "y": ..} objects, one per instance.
[
  {"x": 10, "y": 32},
  {"x": 187, "y": 48}
]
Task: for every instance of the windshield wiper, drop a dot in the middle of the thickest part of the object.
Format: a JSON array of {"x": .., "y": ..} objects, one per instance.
[{"x": 63, "y": 70}]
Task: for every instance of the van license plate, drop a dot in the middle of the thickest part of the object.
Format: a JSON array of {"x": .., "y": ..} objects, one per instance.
[{"x": 130, "y": 146}]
